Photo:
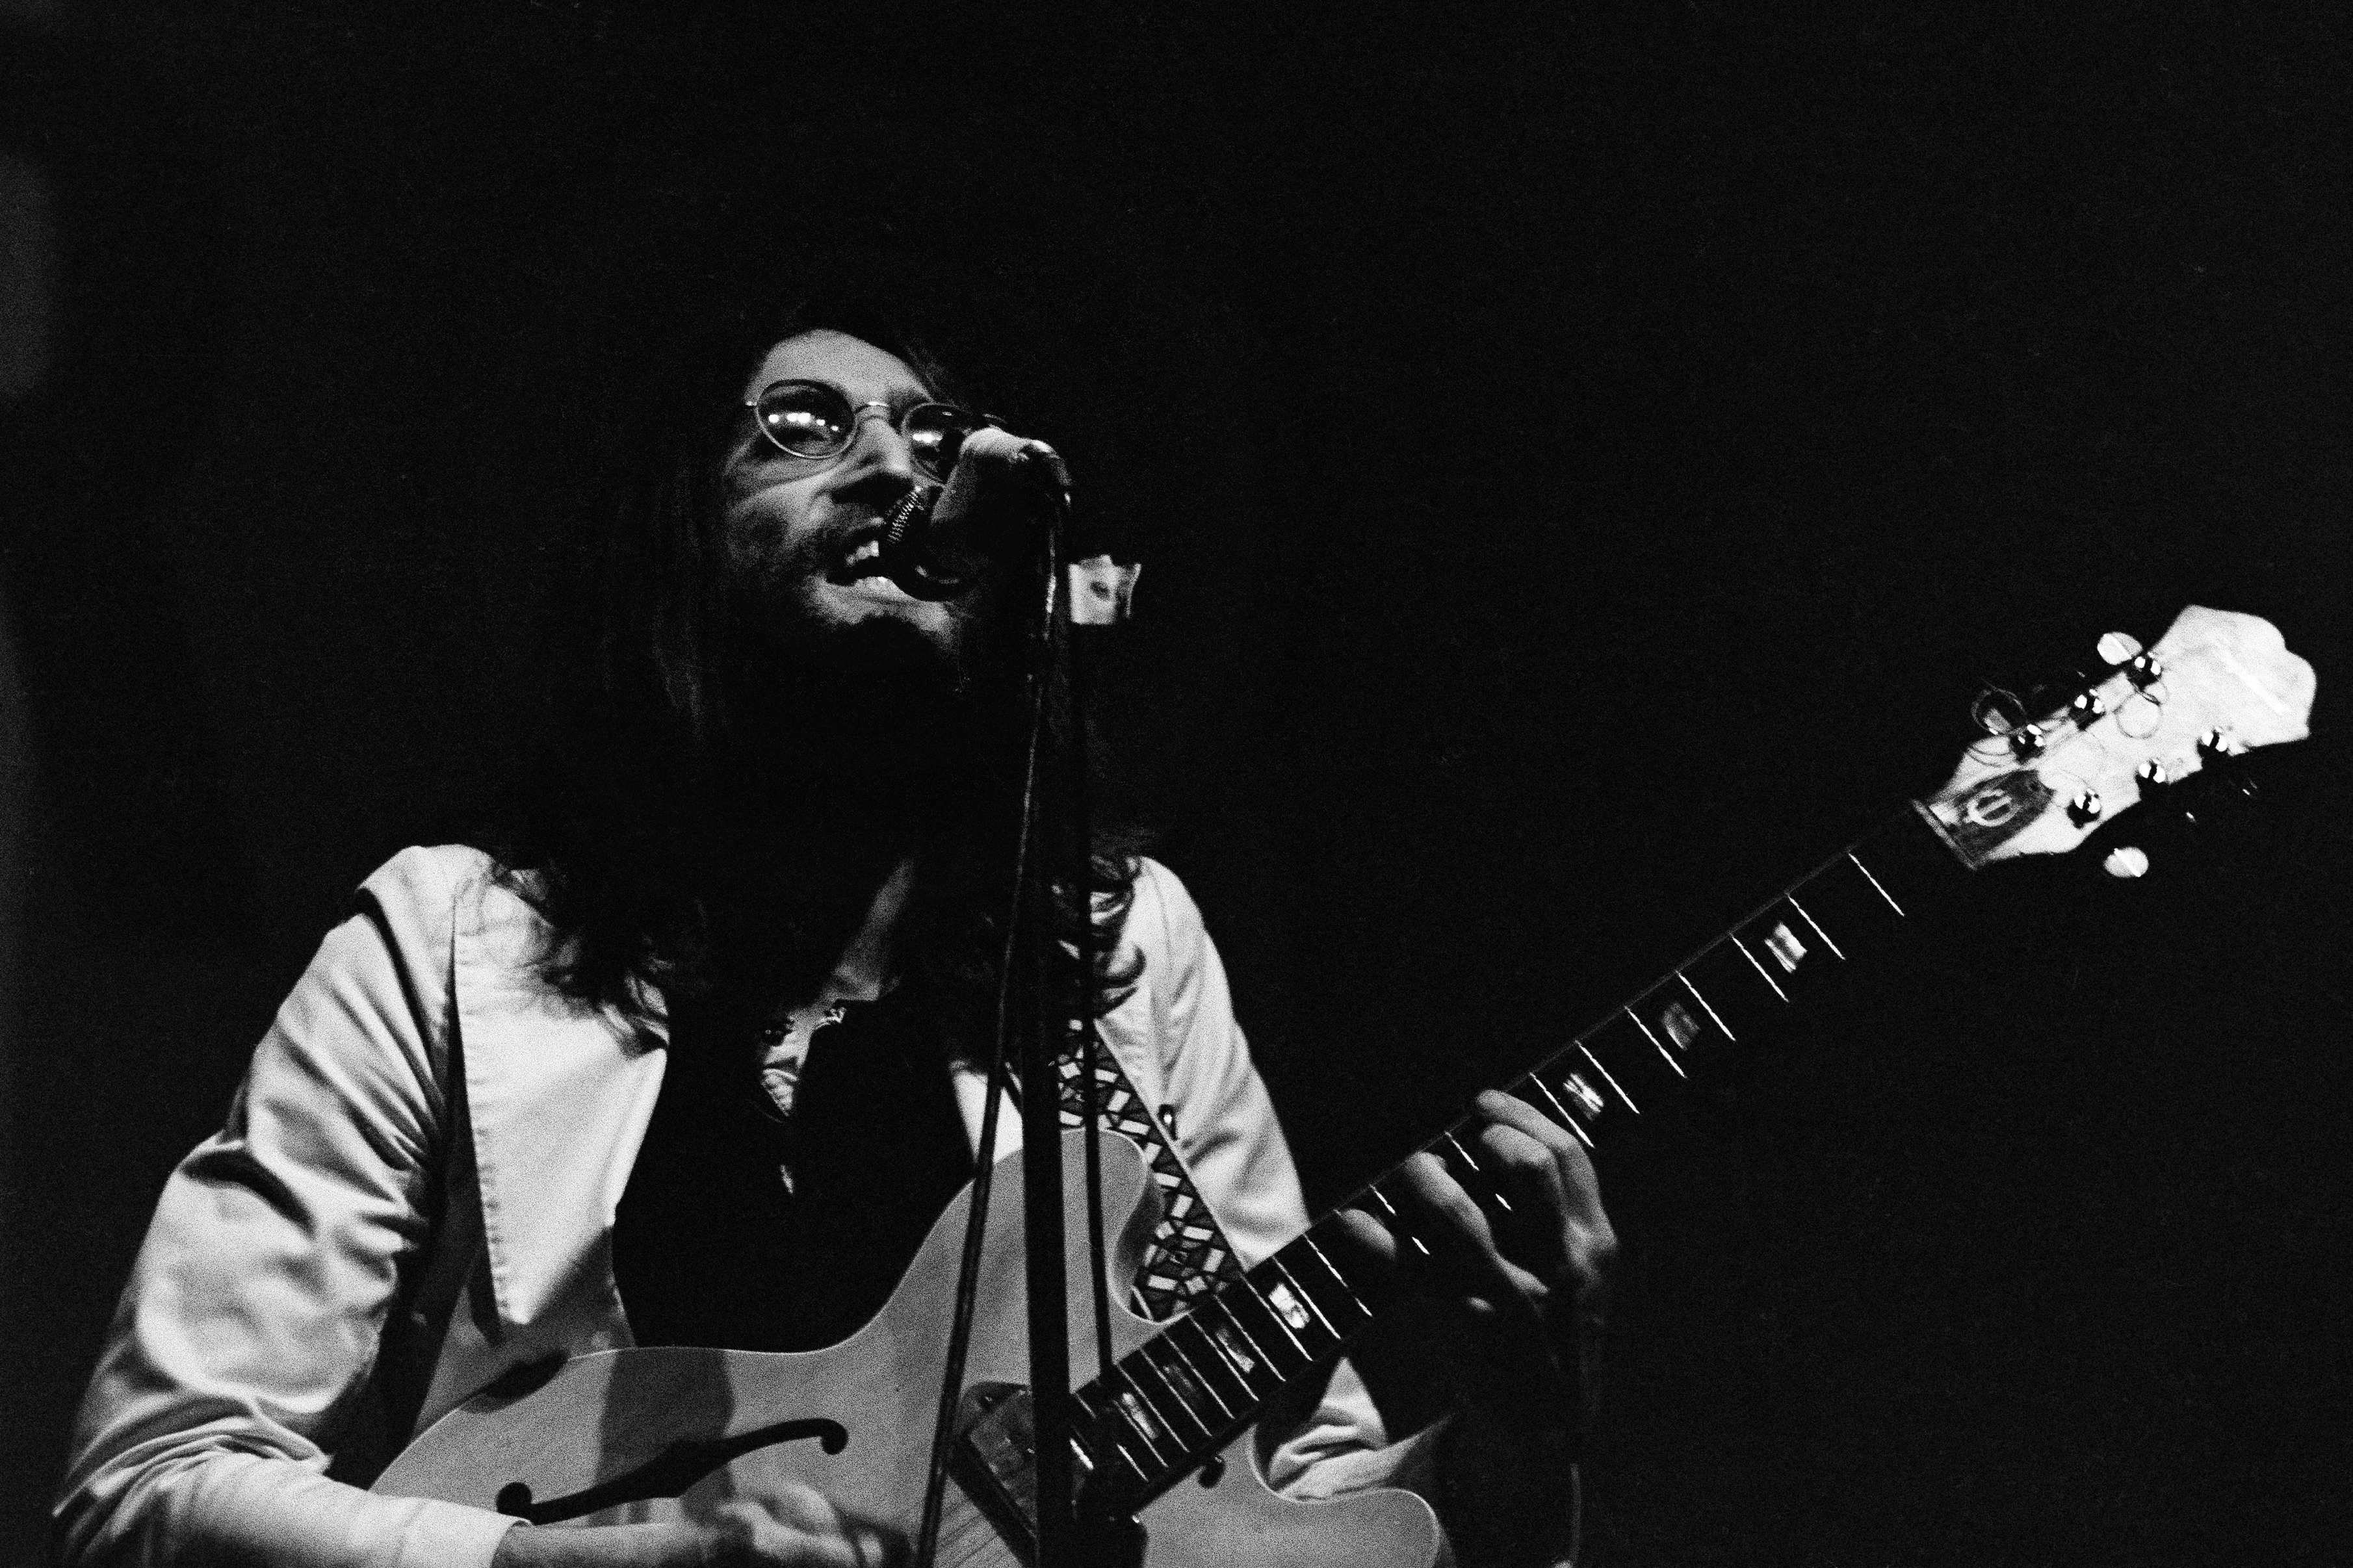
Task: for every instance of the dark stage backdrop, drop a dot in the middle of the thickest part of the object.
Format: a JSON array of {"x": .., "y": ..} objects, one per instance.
[{"x": 1584, "y": 470}]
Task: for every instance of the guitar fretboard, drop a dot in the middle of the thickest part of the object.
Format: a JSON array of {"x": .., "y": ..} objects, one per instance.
[{"x": 1167, "y": 1407}]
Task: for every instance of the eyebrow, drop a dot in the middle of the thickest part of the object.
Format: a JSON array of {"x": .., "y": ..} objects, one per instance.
[{"x": 901, "y": 399}]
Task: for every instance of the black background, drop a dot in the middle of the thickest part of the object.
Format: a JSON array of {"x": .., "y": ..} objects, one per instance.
[{"x": 1584, "y": 469}]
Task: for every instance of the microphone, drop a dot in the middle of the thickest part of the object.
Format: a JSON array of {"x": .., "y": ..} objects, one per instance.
[
  {"x": 937, "y": 542},
  {"x": 906, "y": 556}
]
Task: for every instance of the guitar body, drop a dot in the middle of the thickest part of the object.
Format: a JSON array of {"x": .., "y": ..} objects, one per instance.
[
  {"x": 601, "y": 1418},
  {"x": 688, "y": 1428}
]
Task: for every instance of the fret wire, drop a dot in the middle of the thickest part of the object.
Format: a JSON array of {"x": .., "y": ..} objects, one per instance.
[
  {"x": 1202, "y": 1380},
  {"x": 1218, "y": 1355},
  {"x": 1307, "y": 1239},
  {"x": 1911, "y": 845},
  {"x": 1142, "y": 1473},
  {"x": 1537, "y": 1079},
  {"x": 1083, "y": 1456},
  {"x": 1703, "y": 1002},
  {"x": 1790, "y": 899},
  {"x": 1109, "y": 1431},
  {"x": 1128, "y": 1415},
  {"x": 1234, "y": 1319},
  {"x": 1874, "y": 884},
  {"x": 1582, "y": 1136},
  {"x": 1487, "y": 1184},
  {"x": 1396, "y": 1221},
  {"x": 1654, "y": 1040},
  {"x": 1759, "y": 968},
  {"x": 1300, "y": 1293},
  {"x": 1575, "y": 1124},
  {"x": 1257, "y": 1355},
  {"x": 1612, "y": 1082},
  {"x": 1191, "y": 1393},
  {"x": 1143, "y": 1358},
  {"x": 1131, "y": 1371},
  {"x": 1805, "y": 914},
  {"x": 1274, "y": 1317},
  {"x": 1222, "y": 1361}
]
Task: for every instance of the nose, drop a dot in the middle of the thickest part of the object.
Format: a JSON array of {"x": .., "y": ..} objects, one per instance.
[{"x": 875, "y": 447}]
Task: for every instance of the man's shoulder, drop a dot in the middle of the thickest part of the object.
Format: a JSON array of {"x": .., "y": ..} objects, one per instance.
[
  {"x": 428, "y": 894},
  {"x": 1163, "y": 921},
  {"x": 430, "y": 872},
  {"x": 432, "y": 877}
]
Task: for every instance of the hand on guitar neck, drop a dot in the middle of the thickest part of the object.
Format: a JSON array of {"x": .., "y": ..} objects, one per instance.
[
  {"x": 1501, "y": 1268},
  {"x": 795, "y": 1527}
]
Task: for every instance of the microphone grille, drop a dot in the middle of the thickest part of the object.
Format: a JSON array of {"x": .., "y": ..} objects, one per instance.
[{"x": 908, "y": 515}]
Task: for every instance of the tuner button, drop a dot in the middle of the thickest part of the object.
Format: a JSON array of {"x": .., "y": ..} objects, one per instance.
[
  {"x": 2086, "y": 710},
  {"x": 2127, "y": 862},
  {"x": 2027, "y": 741},
  {"x": 2084, "y": 807},
  {"x": 2153, "y": 771},
  {"x": 2118, "y": 647},
  {"x": 1996, "y": 712}
]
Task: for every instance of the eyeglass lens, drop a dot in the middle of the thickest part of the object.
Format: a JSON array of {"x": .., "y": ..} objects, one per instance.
[{"x": 810, "y": 419}]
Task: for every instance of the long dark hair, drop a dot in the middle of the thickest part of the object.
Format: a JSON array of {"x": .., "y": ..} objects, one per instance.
[{"x": 627, "y": 832}]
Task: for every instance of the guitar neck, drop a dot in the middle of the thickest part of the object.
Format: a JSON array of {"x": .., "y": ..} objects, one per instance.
[{"x": 1170, "y": 1404}]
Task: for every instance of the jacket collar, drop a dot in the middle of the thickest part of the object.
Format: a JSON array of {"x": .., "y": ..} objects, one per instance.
[{"x": 558, "y": 1095}]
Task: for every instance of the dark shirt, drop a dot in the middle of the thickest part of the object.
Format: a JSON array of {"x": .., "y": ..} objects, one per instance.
[{"x": 745, "y": 1228}]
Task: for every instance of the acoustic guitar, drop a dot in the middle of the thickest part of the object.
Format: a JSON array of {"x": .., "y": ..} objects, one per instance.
[{"x": 1164, "y": 1434}]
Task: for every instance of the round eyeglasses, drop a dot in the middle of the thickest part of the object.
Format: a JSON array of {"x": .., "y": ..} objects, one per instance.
[{"x": 816, "y": 420}]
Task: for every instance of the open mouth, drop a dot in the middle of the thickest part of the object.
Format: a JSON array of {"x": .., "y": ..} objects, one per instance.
[
  {"x": 860, "y": 561},
  {"x": 859, "y": 569}
]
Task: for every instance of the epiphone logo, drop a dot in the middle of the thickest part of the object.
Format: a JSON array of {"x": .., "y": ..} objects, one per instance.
[
  {"x": 1990, "y": 809},
  {"x": 1996, "y": 809}
]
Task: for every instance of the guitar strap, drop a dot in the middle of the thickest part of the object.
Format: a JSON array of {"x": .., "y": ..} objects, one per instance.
[{"x": 1188, "y": 1256}]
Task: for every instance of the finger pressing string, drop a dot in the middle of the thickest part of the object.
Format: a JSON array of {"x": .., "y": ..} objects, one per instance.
[
  {"x": 1537, "y": 1229},
  {"x": 1580, "y": 1186},
  {"x": 1464, "y": 1255}
]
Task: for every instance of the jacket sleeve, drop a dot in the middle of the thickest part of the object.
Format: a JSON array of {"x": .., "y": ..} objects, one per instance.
[
  {"x": 1232, "y": 1144},
  {"x": 250, "y": 1326}
]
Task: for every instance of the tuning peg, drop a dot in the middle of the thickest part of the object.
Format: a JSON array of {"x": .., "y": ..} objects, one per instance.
[
  {"x": 2126, "y": 862},
  {"x": 2152, "y": 773},
  {"x": 2026, "y": 741},
  {"x": 2145, "y": 670},
  {"x": 2085, "y": 807},
  {"x": 2216, "y": 744},
  {"x": 1997, "y": 711},
  {"x": 2086, "y": 710}
]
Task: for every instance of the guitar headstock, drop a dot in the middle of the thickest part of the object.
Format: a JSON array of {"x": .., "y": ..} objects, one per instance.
[{"x": 2217, "y": 683}]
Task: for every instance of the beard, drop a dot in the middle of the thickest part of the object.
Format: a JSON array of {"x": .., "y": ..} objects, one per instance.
[
  {"x": 877, "y": 705},
  {"x": 849, "y": 747}
]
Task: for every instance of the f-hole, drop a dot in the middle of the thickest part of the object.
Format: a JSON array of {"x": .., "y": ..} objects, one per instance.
[{"x": 668, "y": 1474}]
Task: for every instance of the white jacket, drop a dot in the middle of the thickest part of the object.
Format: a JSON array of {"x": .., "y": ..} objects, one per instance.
[{"x": 415, "y": 1193}]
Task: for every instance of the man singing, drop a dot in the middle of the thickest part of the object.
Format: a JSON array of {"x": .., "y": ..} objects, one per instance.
[{"x": 690, "y": 1052}]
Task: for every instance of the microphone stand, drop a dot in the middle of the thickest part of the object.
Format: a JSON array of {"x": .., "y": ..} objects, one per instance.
[
  {"x": 1051, "y": 810},
  {"x": 1045, "y": 996},
  {"x": 1056, "y": 984}
]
